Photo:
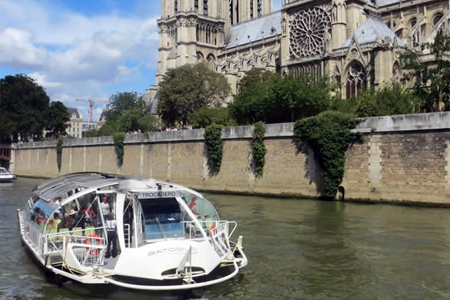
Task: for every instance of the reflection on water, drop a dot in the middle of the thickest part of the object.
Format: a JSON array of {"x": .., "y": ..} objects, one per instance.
[{"x": 297, "y": 249}]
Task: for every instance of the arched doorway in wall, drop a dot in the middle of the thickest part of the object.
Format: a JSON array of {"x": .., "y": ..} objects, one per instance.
[{"x": 356, "y": 79}]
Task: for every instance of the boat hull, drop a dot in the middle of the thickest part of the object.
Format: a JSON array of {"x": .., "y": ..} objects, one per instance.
[{"x": 7, "y": 178}]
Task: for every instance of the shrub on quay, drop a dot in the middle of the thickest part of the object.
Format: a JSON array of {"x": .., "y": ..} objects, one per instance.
[
  {"x": 214, "y": 147},
  {"x": 329, "y": 135},
  {"x": 258, "y": 148}
]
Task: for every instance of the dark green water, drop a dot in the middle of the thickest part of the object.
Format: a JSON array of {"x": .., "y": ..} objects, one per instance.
[{"x": 297, "y": 249}]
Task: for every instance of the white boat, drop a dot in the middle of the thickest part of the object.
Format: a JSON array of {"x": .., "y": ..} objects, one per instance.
[
  {"x": 6, "y": 176},
  {"x": 170, "y": 237}
]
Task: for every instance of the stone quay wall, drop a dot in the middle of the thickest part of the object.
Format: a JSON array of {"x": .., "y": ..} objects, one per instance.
[{"x": 403, "y": 159}]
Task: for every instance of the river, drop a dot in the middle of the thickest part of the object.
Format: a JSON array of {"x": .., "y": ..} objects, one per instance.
[{"x": 297, "y": 249}]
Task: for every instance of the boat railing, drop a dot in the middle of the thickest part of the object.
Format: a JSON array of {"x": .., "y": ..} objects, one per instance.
[
  {"x": 79, "y": 247},
  {"x": 218, "y": 231},
  {"x": 220, "y": 239},
  {"x": 54, "y": 239},
  {"x": 90, "y": 254}
]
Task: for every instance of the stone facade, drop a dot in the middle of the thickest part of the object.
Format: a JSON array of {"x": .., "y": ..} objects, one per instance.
[
  {"x": 403, "y": 159},
  {"x": 356, "y": 43}
]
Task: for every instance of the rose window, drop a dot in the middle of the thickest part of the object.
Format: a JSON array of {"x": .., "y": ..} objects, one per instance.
[{"x": 307, "y": 32}]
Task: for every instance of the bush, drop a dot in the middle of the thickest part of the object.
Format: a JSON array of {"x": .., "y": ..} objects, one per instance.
[
  {"x": 388, "y": 100},
  {"x": 119, "y": 138},
  {"x": 59, "y": 149},
  {"x": 214, "y": 146},
  {"x": 329, "y": 136},
  {"x": 258, "y": 148},
  {"x": 208, "y": 116}
]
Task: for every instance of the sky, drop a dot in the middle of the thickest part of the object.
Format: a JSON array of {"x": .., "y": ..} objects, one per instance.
[{"x": 80, "y": 49}]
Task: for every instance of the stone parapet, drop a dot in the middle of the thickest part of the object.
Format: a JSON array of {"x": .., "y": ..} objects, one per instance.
[{"x": 402, "y": 159}]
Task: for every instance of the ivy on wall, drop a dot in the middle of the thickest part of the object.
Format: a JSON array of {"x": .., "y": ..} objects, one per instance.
[
  {"x": 258, "y": 148},
  {"x": 119, "y": 138},
  {"x": 329, "y": 135},
  {"x": 59, "y": 149},
  {"x": 214, "y": 146}
]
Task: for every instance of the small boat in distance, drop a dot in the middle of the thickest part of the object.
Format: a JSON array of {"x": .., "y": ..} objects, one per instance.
[
  {"x": 169, "y": 237},
  {"x": 6, "y": 176}
]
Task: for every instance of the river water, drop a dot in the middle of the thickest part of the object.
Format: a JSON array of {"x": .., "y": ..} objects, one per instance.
[{"x": 297, "y": 249}]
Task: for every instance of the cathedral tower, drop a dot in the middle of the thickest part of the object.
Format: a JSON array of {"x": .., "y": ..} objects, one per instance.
[
  {"x": 245, "y": 10},
  {"x": 193, "y": 31}
]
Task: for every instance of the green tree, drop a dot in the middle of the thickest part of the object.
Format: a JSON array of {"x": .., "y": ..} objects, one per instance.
[
  {"x": 250, "y": 104},
  {"x": 125, "y": 113},
  {"x": 304, "y": 95},
  {"x": 120, "y": 102},
  {"x": 208, "y": 115},
  {"x": 431, "y": 81},
  {"x": 266, "y": 96},
  {"x": 58, "y": 118},
  {"x": 389, "y": 100},
  {"x": 23, "y": 108},
  {"x": 187, "y": 89}
]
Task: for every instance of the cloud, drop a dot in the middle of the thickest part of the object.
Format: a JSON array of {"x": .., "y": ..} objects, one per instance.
[
  {"x": 17, "y": 49},
  {"x": 74, "y": 55}
]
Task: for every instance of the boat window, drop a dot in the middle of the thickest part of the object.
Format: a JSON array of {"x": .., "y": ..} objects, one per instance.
[
  {"x": 41, "y": 211},
  {"x": 162, "y": 218},
  {"x": 201, "y": 207}
]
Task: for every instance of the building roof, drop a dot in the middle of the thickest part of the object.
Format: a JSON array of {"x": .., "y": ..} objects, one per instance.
[
  {"x": 369, "y": 30},
  {"x": 74, "y": 111},
  {"x": 382, "y": 3},
  {"x": 255, "y": 30}
]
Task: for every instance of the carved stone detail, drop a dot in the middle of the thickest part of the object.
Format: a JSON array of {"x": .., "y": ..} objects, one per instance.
[
  {"x": 182, "y": 22},
  {"x": 162, "y": 29},
  {"x": 192, "y": 22},
  {"x": 307, "y": 31}
]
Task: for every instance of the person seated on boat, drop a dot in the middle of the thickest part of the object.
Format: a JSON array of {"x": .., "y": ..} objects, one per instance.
[
  {"x": 51, "y": 225},
  {"x": 105, "y": 207},
  {"x": 111, "y": 228}
]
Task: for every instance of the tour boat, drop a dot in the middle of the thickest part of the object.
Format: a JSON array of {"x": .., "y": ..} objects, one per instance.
[
  {"x": 6, "y": 176},
  {"x": 169, "y": 237}
]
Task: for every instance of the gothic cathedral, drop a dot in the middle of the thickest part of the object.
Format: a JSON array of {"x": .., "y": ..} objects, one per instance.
[{"x": 356, "y": 43}]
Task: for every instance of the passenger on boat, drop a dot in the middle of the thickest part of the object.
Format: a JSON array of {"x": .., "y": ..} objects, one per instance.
[
  {"x": 51, "y": 225},
  {"x": 105, "y": 207},
  {"x": 111, "y": 227},
  {"x": 80, "y": 219},
  {"x": 56, "y": 220}
]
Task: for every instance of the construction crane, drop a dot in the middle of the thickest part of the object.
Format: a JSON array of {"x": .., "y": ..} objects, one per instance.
[{"x": 91, "y": 106}]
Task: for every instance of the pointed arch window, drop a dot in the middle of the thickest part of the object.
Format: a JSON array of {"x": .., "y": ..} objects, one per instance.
[
  {"x": 175, "y": 5},
  {"x": 251, "y": 9},
  {"x": 415, "y": 34},
  {"x": 196, "y": 5},
  {"x": 437, "y": 18},
  {"x": 356, "y": 80}
]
